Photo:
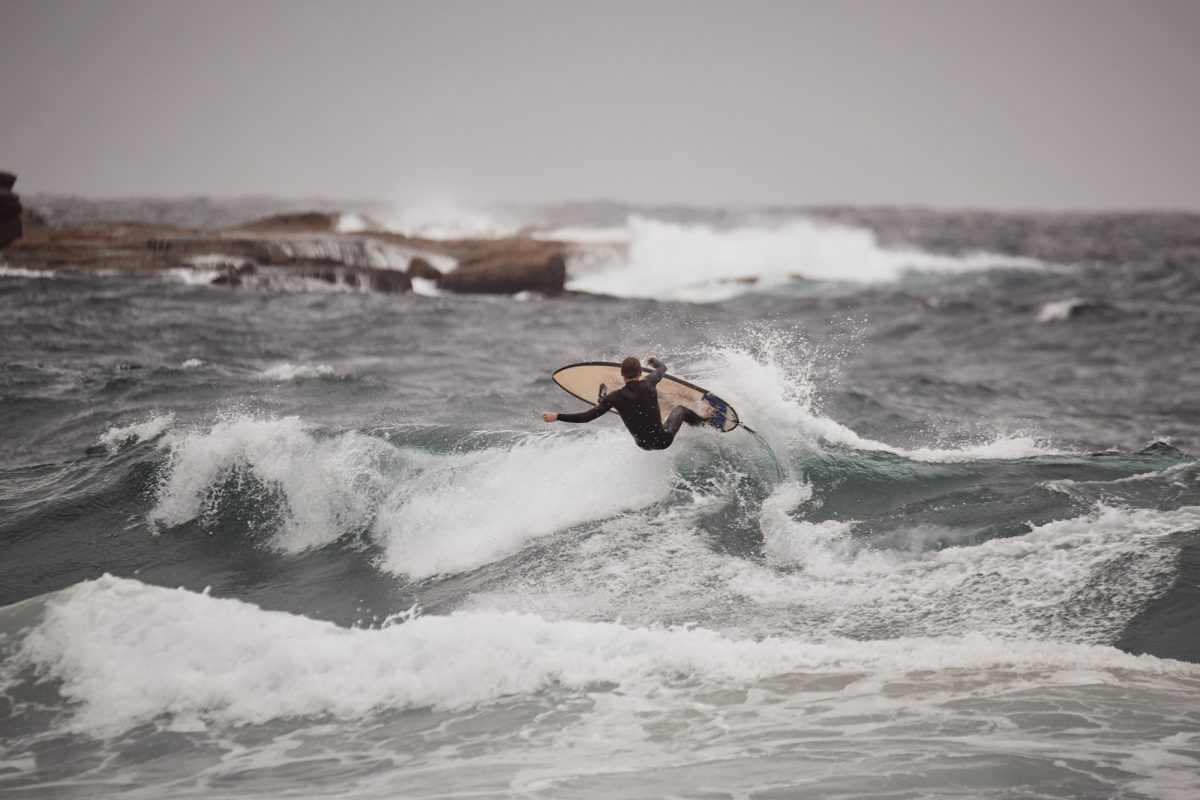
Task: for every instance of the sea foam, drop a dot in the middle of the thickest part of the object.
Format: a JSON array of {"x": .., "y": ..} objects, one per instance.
[
  {"x": 127, "y": 652},
  {"x": 462, "y": 510},
  {"x": 21, "y": 272}
]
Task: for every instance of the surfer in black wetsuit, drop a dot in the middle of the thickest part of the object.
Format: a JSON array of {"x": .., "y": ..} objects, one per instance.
[{"x": 637, "y": 403}]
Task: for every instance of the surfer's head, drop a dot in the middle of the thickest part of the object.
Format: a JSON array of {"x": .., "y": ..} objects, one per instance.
[{"x": 631, "y": 368}]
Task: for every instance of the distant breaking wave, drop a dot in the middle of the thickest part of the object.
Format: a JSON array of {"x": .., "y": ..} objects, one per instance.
[{"x": 700, "y": 263}]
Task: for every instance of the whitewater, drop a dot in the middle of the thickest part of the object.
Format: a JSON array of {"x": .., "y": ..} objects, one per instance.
[{"x": 289, "y": 541}]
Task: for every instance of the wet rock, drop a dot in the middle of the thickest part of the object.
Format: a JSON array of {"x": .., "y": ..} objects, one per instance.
[
  {"x": 10, "y": 210},
  {"x": 288, "y": 242},
  {"x": 390, "y": 281},
  {"x": 233, "y": 274},
  {"x": 509, "y": 274},
  {"x": 302, "y": 222},
  {"x": 420, "y": 268}
]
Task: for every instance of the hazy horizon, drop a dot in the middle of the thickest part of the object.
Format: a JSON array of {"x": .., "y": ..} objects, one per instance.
[
  {"x": 450, "y": 204},
  {"x": 1063, "y": 106}
]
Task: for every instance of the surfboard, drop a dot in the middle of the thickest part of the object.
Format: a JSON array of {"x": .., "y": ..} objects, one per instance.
[{"x": 590, "y": 381}]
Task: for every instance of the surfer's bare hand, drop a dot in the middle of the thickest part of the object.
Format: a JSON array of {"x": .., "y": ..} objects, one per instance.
[{"x": 549, "y": 416}]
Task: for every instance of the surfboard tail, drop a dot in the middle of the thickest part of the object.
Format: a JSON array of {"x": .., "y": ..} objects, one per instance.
[{"x": 720, "y": 415}]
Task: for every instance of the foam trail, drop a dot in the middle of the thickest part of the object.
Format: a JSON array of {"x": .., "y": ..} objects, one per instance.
[
  {"x": 702, "y": 264},
  {"x": 464, "y": 510},
  {"x": 127, "y": 653}
]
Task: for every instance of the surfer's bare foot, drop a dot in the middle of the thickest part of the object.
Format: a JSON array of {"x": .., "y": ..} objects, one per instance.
[{"x": 706, "y": 411}]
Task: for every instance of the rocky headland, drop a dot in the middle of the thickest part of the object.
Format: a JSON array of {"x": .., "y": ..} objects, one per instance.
[{"x": 280, "y": 248}]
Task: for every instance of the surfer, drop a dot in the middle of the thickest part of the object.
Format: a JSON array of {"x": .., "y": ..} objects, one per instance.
[{"x": 637, "y": 403}]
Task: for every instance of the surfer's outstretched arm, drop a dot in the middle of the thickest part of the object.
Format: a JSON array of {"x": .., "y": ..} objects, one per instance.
[{"x": 592, "y": 413}]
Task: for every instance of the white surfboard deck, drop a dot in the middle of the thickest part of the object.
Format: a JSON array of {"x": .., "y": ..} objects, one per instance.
[{"x": 591, "y": 380}]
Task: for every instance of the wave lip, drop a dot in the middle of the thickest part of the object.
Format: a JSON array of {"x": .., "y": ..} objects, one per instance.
[
  {"x": 699, "y": 263},
  {"x": 328, "y": 486}
]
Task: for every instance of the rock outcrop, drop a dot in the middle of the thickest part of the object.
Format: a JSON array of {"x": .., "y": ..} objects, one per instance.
[
  {"x": 10, "y": 210},
  {"x": 420, "y": 268},
  {"x": 302, "y": 222},
  {"x": 263, "y": 253},
  {"x": 509, "y": 274}
]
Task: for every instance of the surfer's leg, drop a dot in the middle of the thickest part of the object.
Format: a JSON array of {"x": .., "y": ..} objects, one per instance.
[{"x": 678, "y": 416}]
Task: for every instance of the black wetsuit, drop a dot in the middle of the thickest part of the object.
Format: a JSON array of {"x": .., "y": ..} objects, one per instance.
[{"x": 637, "y": 403}]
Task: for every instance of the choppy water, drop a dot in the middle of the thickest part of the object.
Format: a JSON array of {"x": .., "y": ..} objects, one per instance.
[{"x": 320, "y": 544}]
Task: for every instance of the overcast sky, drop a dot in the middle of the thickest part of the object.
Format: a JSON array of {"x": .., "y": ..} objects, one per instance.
[{"x": 1009, "y": 104}]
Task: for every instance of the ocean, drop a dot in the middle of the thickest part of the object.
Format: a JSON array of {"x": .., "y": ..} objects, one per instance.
[{"x": 307, "y": 542}]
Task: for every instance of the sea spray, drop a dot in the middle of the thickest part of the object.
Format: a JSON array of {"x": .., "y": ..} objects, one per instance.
[
  {"x": 776, "y": 379},
  {"x": 699, "y": 263}
]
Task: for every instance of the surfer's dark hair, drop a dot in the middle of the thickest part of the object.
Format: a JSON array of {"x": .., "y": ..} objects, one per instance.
[{"x": 631, "y": 367}]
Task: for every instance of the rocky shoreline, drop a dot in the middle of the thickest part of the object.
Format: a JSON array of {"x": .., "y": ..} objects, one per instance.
[{"x": 308, "y": 245}]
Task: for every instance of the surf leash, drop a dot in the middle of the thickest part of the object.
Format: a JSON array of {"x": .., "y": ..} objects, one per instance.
[{"x": 767, "y": 447}]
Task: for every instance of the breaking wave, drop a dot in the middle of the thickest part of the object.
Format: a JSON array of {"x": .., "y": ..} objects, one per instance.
[
  {"x": 125, "y": 652},
  {"x": 699, "y": 263}
]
